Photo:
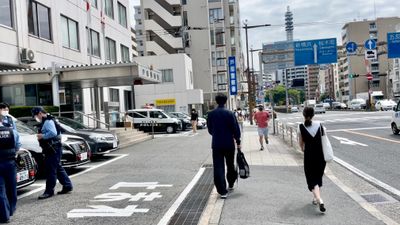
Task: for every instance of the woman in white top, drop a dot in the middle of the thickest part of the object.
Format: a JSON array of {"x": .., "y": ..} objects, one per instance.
[{"x": 314, "y": 163}]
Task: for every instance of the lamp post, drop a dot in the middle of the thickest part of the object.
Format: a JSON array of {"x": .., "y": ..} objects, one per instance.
[{"x": 249, "y": 83}]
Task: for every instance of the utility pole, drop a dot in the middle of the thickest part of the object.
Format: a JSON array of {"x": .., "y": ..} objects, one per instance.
[{"x": 251, "y": 96}]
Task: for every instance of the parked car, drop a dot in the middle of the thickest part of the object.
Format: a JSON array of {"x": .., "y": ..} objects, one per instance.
[
  {"x": 395, "y": 124},
  {"x": 185, "y": 119},
  {"x": 326, "y": 105},
  {"x": 385, "y": 104},
  {"x": 319, "y": 108},
  {"x": 294, "y": 109},
  {"x": 358, "y": 103},
  {"x": 100, "y": 141},
  {"x": 339, "y": 105},
  {"x": 75, "y": 150},
  {"x": 201, "y": 123},
  {"x": 26, "y": 168},
  {"x": 143, "y": 119}
]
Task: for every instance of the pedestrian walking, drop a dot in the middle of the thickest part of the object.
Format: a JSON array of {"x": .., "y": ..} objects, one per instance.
[
  {"x": 224, "y": 129},
  {"x": 8, "y": 183},
  {"x": 262, "y": 118},
  {"x": 240, "y": 119},
  {"x": 314, "y": 163},
  {"x": 194, "y": 117},
  {"x": 49, "y": 138}
]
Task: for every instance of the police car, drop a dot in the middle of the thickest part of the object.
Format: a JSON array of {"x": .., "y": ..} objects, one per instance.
[
  {"x": 145, "y": 119},
  {"x": 395, "y": 124},
  {"x": 26, "y": 168}
]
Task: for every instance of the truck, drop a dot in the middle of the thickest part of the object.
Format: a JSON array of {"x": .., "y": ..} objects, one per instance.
[{"x": 310, "y": 103}]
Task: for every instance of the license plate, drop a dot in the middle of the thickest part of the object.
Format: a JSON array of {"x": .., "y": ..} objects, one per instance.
[
  {"x": 83, "y": 156},
  {"x": 22, "y": 176},
  {"x": 115, "y": 144}
]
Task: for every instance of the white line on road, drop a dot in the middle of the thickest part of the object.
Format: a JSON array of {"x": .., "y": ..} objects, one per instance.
[
  {"x": 346, "y": 141},
  {"x": 171, "y": 211},
  {"x": 389, "y": 189},
  {"x": 43, "y": 186},
  {"x": 364, "y": 128}
]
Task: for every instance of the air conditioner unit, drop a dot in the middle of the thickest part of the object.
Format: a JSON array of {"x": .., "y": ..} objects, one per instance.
[{"x": 27, "y": 56}]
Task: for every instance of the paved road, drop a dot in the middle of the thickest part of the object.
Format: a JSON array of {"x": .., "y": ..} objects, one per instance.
[
  {"x": 362, "y": 139},
  {"x": 171, "y": 162}
]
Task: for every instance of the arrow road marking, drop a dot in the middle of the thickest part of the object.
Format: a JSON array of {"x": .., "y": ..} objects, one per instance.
[
  {"x": 315, "y": 53},
  {"x": 348, "y": 142},
  {"x": 105, "y": 211}
]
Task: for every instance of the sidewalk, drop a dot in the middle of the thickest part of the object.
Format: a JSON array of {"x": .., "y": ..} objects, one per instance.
[{"x": 276, "y": 192}]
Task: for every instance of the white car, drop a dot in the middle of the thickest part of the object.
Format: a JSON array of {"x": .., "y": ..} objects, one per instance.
[
  {"x": 201, "y": 123},
  {"x": 384, "y": 105},
  {"x": 326, "y": 105},
  {"x": 357, "y": 103},
  {"x": 395, "y": 124},
  {"x": 295, "y": 109},
  {"x": 319, "y": 108}
]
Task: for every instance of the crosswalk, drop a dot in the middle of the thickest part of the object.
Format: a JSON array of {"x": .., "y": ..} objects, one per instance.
[{"x": 292, "y": 120}]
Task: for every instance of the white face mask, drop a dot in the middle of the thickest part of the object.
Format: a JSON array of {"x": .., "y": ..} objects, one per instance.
[
  {"x": 37, "y": 119},
  {"x": 4, "y": 113}
]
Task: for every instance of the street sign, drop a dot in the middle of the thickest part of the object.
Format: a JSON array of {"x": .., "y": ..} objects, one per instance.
[
  {"x": 371, "y": 54},
  {"x": 232, "y": 75},
  {"x": 370, "y": 44},
  {"x": 322, "y": 51},
  {"x": 369, "y": 76},
  {"x": 351, "y": 48},
  {"x": 393, "y": 40}
]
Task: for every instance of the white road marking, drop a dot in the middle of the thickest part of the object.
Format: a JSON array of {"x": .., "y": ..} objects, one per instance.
[
  {"x": 171, "y": 211},
  {"x": 105, "y": 211},
  {"x": 147, "y": 185},
  {"x": 346, "y": 141},
  {"x": 43, "y": 186},
  {"x": 364, "y": 128},
  {"x": 369, "y": 178}
]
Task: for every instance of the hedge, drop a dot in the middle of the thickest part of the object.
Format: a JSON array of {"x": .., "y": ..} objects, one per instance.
[{"x": 21, "y": 111}]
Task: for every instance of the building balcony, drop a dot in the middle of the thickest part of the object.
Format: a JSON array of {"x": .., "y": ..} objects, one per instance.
[
  {"x": 174, "y": 42},
  {"x": 152, "y": 46},
  {"x": 154, "y": 8}
]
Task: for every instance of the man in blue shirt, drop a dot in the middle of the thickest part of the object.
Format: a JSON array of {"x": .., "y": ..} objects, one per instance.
[
  {"x": 8, "y": 148},
  {"x": 223, "y": 127},
  {"x": 50, "y": 140}
]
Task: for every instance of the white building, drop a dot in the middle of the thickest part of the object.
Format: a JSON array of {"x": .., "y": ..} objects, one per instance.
[
  {"x": 42, "y": 33},
  {"x": 395, "y": 77},
  {"x": 176, "y": 92}
]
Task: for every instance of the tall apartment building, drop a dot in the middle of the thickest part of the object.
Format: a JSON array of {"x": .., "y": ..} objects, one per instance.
[
  {"x": 359, "y": 32},
  {"x": 42, "y": 33},
  {"x": 328, "y": 80},
  {"x": 312, "y": 85},
  {"x": 207, "y": 30},
  {"x": 395, "y": 78}
]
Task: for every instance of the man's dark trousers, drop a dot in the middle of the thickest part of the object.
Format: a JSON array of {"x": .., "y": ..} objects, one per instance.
[
  {"x": 220, "y": 156},
  {"x": 8, "y": 189},
  {"x": 55, "y": 171}
]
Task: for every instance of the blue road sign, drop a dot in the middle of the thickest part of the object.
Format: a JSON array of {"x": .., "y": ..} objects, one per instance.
[
  {"x": 322, "y": 51},
  {"x": 393, "y": 40},
  {"x": 351, "y": 48},
  {"x": 232, "y": 75},
  {"x": 370, "y": 44}
]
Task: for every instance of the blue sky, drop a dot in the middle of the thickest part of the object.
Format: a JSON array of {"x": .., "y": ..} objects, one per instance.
[{"x": 313, "y": 19}]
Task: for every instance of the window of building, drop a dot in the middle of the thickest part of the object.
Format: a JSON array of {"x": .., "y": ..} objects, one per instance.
[
  {"x": 212, "y": 37},
  {"x": 109, "y": 8},
  {"x": 167, "y": 75},
  {"x": 111, "y": 54},
  {"x": 6, "y": 13},
  {"x": 214, "y": 0},
  {"x": 220, "y": 60},
  {"x": 114, "y": 95},
  {"x": 233, "y": 41},
  {"x": 94, "y": 3},
  {"x": 215, "y": 14},
  {"x": 39, "y": 22},
  {"x": 215, "y": 83},
  {"x": 219, "y": 36},
  {"x": 93, "y": 40},
  {"x": 183, "y": 2},
  {"x": 69, "y": 33},
  {"x": 122, "y": 15},
  {"x": 124, "y": 53}
]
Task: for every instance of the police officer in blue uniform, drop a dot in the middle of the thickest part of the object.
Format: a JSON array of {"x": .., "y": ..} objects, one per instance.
[
  {"x": 49, "y": 138},
  {"x": 8, "y": 183}
]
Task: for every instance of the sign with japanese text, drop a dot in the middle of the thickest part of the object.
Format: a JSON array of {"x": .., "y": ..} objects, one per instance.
[
  {"x": 322, "y": 51},
  {"x": 232, "y": 75},
  {"x": 393, "y": 43}
]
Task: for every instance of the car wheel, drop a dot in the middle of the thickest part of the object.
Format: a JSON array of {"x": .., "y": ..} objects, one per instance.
[
  {"x": 394, "y": 129},
  {"x": 170, "y": 129}
]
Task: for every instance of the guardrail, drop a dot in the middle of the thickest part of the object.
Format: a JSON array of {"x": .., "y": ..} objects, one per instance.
[{"x": 288, "y": 133}]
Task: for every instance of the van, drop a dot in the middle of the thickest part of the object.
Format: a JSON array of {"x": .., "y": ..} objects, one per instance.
[
  {"x": 144, "y": 118},
  {"x": 395, "y": 124}
]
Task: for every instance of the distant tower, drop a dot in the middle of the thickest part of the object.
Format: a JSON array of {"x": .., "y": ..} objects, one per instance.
[{"x": 289, "y": 24}]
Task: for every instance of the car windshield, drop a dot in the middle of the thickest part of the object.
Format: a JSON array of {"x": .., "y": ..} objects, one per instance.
[
  {"x": 23, "y": 129},
  {"x": 72, "y": 123},
  {"x": 66, "y": 127}
]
